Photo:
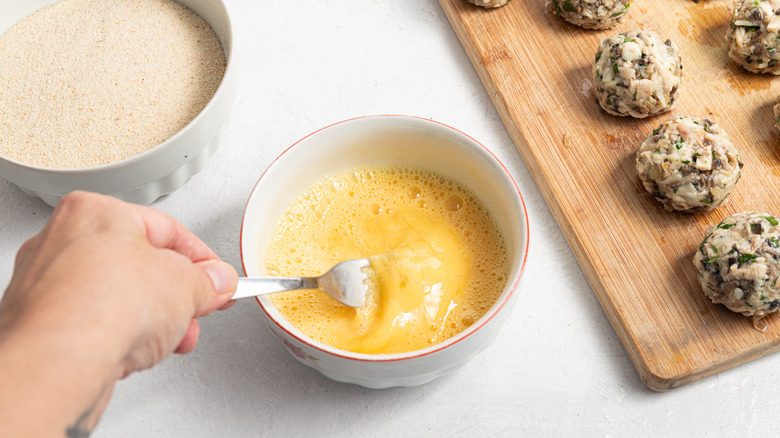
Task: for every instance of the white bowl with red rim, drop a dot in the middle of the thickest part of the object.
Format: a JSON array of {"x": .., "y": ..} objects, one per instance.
[{"x": 387, "y": 140}]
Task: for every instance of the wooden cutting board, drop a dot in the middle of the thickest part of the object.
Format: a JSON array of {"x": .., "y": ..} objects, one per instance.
[{"x": 637, "y": 257}]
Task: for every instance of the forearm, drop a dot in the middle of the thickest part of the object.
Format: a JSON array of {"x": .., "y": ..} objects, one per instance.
[{"x": 54, "y": 382}]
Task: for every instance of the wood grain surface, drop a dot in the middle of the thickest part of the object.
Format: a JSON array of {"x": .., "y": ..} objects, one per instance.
[{"x": 637, "y": 257}]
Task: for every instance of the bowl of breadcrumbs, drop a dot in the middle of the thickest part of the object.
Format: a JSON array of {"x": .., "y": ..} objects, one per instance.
[{"x": 122, "y": 97}]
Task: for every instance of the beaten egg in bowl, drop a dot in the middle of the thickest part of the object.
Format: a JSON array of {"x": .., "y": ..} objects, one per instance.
[
  {"x": 437, "y": 305},
  {"x": 438, "y": 256}
]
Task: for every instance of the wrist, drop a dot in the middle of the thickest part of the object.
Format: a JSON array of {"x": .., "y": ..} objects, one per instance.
[{"x": 52, "y": 367}]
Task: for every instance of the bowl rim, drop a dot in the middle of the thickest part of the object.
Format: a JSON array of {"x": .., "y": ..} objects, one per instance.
[
  {"x": 165, "y": 144},
  {"x": 414, "y": 354}
]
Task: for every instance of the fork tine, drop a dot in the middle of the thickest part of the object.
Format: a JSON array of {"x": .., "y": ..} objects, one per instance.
[{"x": 346, "y": 282}]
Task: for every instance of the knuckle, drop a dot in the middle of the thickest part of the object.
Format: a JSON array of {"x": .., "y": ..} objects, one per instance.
[
  {"x": 26, "y": 248},
  {"x": 76, "y": 199}
]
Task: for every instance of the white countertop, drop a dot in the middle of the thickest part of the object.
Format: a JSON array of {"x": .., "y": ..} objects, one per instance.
[{"x": 556, "y": 369}]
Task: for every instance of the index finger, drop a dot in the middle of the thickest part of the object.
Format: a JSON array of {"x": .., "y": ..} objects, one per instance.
[{"x": 163, "y": 231}]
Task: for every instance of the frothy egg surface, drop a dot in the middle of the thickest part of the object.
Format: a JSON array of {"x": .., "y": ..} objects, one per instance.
[{"x": 438, "y": 257}]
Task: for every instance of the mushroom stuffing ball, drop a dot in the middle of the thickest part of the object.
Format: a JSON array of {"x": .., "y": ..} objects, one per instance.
[
  {"x": 688, "y": 164},
  {"x": 753, "y": 35},
  {"x": 637, "y": 74},
  {"x": 489, "y": 3},
  {"x": 738, "y": 264},
  {"x": 776, "y": 111},
  {"x": 592, "y": 14}
]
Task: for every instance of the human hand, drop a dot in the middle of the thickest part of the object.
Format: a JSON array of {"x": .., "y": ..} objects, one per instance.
[{"x": 105, "y": 289}]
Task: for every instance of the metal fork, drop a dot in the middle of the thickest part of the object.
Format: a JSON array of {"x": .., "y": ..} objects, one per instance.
[{"x": 347, "y": 282}]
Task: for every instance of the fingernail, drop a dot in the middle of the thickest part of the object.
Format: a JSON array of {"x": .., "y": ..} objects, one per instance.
[{"x": 223, "y": 276}]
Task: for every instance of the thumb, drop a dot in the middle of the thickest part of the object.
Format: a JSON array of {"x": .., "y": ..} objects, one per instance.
[
  {"x": 220, "y": 282},
  {"x": 224, "y": 279}
]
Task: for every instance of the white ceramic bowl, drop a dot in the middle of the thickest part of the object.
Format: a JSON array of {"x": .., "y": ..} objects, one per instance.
[
  {"x": 386, "y": 140},
  {"x": 158, "y": 171}
]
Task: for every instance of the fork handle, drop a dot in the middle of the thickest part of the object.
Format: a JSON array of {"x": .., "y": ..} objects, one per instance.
[{"x": 254, "y": 286}]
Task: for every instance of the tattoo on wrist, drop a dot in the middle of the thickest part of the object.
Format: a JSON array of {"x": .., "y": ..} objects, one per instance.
[{"x": 79, "y": 429}]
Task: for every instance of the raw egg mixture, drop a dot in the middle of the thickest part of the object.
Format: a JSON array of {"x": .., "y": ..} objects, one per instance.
[{"x": 439, "y": 260}]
